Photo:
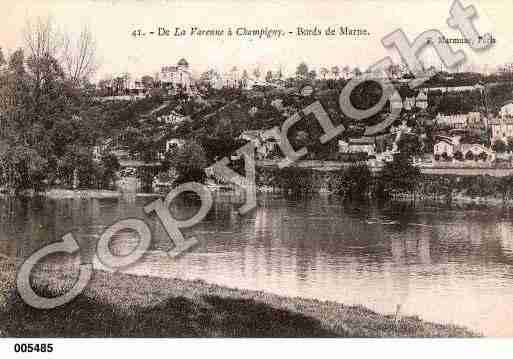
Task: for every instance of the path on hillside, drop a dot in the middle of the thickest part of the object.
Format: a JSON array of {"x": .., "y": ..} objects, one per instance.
[
  {"x": 210, "y": 114},
  {"x": 158, "y": 108}
]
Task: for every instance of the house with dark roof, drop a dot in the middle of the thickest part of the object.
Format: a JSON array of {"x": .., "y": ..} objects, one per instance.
[{"x": 447, "y": 148}]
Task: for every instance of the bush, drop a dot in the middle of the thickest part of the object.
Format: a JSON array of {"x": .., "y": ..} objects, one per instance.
[
  {"x": 189, "y": 161},
  {"x": 354, "y": 182}
]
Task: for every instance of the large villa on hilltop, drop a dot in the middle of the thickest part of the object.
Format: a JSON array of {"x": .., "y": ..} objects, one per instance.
[{"x": 179, "y": 76}]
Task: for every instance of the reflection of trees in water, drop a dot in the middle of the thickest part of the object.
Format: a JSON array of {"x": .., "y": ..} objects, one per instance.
[
  {"x": 309, "y": 232},
  {"x": 506, "y": 234}
]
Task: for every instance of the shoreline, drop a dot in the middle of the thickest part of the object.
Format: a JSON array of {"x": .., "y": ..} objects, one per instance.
[
  {"x": 462, "y": 201},
  {"x": 124, "y": 305}
]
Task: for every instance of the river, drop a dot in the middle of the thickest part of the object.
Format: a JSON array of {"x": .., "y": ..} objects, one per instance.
[{"x": 445, "y": 265}]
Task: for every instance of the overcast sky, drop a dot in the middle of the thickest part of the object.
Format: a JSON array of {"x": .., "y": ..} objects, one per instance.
[{"x": 112, "y": 23}]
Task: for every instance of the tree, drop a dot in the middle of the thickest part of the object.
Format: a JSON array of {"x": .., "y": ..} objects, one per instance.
[
  {"x": 189, "y": 162},
  {"x": 357, "y": 72},
  {"x": 147, "y": 81},
  {"x": 269, "y": 76},
  {"x": 42, "y": 42},
  {"x": 410, "y": 146},
  {"x": 324, "y": 72},
  {"x": 510, "y": 143},
  {"x": 256, "y": 73},
  {"x": 302, "y": 70},
  {"x": 347, "y": 71},
  {"x": 245, "y": 78},
  {"x": 355, "y": 181},
  {"x": 2, "y": 58},
  {"x": 312, "y": 75},
  {"x": 335, "y": 71},
  {"x": 506, "y": 187},
  {"x": 51, "y": 126},
  {"x": 118, "y": 84},
  {"x": 399, "y": 175},
  {"x": 109, "y": 167},
  {"x": 22, "y": 168},
  {"x": 79, "y": 56},
  {"x": 499, "y": 146}
]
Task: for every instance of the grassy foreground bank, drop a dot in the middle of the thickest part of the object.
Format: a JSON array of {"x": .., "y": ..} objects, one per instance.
[{"x": 120, "y": 305}]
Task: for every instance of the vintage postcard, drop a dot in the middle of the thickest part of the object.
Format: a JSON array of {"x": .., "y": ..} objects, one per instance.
[{"x": 243, "y": 169}]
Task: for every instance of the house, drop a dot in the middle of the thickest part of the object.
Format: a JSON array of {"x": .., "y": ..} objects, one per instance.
[
  {"x": 178, "y": 76},
  {"x": 174, "y": 142},
  {"x": 448, "y": 148},
  {"x": 213, "y": 78},
  {"x": 232, "y": 79},
  {"x": 477, "y": 121},
  {"x": 409, "y": 103},
  {"x": 253, "y": 136},
  {"x": 445, "y": 145},
  {"x": 453, "y": 88},
  {"x": 422, "y": 100},
  {"x": 501, "y": 128},
  {"x": 264, "y": 145},
  {"x": 358, "y": 145},
  {"x": 506, "y": 110},
  {"x": 173, "y": 118},
  {"x": 136, "y": 87},
  {"x": 461, "y": 120}
]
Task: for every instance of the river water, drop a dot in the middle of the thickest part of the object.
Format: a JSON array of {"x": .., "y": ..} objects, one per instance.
[{"x": 445, "y": 265}]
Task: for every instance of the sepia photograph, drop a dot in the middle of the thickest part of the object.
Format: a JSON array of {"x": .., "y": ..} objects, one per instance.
[{"x": 255, "y": 169}]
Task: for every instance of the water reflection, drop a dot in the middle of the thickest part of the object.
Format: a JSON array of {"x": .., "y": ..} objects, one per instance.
[{"x": 444, "y": 265}]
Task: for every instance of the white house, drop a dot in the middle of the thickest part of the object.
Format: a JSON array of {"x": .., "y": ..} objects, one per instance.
[
  {"x": 173, "y": 118},
  {"x": 358, "y": 145},
  {"x": 422, "y": 100},
  {"x": 445, "y": 145},
  {"x": 450, "y": 146},
  {"x": 460, "y": 120},
  {"x": 409, "y": 103},
  {"x": 178, "y": 76},
  {"x": 501, "y": 128},
  {"x": 263, "y": 145},
  {"x": 506, "y": 110},
  {"x": 178, "y": 142}
]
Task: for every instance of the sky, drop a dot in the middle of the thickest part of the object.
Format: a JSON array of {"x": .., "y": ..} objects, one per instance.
[{"x": 113, "y": 22}]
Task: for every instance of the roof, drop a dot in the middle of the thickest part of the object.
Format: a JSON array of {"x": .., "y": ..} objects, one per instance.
[
  {"x": 465, "y": 147},
  {"x": 169, "y": 69},
  {"x": 254, "y": 134},
  {"x": 361, "y": 141},
  {"x": 445, "y": 140}
]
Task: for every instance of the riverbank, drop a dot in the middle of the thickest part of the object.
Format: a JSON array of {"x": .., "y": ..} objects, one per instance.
[
  {"x": 121, "y": 305},
  {"x": 456, "y": 201}
]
